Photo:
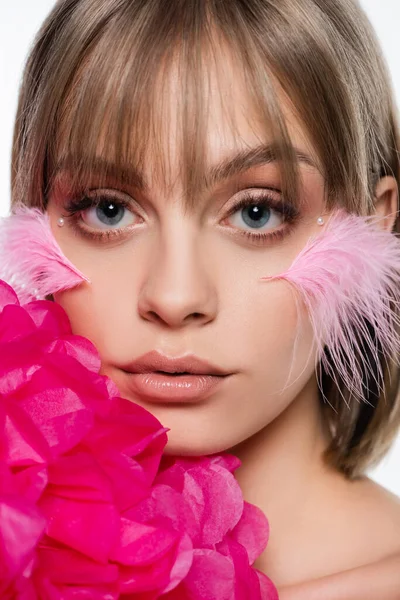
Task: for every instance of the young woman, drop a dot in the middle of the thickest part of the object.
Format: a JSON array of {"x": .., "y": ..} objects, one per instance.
[{"x": 184, "y": 151}]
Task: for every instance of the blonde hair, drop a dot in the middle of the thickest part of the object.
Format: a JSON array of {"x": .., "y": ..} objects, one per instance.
[{"x": 96, "y": 72}]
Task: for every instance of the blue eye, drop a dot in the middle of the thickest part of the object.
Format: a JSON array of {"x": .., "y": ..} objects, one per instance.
[
  {"x": 256, "y": 215},
  {"x": 109, "y": 212},
  {"x": 101, "y": 211}
]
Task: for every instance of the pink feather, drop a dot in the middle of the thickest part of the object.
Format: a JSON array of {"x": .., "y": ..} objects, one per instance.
[
  {"x": 349, "y": 277},
  {"x": 31, "y": 260}
]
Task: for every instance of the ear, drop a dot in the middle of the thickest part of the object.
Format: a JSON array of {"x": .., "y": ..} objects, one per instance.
[{"x": 386, "y": 201}]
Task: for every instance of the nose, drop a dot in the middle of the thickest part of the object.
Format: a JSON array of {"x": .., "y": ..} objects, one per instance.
[{"x": 177, "y": 289}]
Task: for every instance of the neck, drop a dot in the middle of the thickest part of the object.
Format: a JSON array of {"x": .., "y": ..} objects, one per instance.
[{"x": 282, "y": 468}]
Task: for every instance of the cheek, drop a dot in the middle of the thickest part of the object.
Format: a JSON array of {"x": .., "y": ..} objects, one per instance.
[
  {"x": 274, "y": 336},
  {"x": 102, "y": 312}
]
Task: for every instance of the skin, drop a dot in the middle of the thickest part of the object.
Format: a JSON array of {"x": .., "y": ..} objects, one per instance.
[
  {"x": 189, "y": 282},
  {"x": 377, "y": 580}
]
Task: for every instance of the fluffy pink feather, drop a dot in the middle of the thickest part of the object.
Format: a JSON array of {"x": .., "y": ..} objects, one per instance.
[
  {"x": 349, "y": 279},
  {"x": 31, "y": 260}
]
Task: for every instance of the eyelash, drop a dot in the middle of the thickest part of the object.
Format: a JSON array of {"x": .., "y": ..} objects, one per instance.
[{"x": 76, "y": 205}]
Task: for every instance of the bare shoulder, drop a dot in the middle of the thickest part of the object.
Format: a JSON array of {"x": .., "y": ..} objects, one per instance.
[
  {"x": 376, "y": 518},
  {"x": 361, "y": 524},
  {"x": 363, "y": 559}
]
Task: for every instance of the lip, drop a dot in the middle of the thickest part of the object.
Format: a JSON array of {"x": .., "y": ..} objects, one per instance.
[
  {"x": 189, "y": 363},
  {"x": 158, "y": 388},
  {"x": 157, "y": 378}
]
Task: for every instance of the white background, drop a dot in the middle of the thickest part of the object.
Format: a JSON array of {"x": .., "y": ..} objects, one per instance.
[{"x": 20, "y": 19}]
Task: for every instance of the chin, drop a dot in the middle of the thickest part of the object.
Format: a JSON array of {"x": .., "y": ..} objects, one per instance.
[{"x": 184, "y": 443}]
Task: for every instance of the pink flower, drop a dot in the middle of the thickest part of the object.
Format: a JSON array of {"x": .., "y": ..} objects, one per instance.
[
  {"x": 227, "y": 535},
  {"x": 89, "y": 507}
]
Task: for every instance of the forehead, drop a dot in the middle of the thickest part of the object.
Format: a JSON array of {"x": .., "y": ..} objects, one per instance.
[
  {"x": 232, "y": 122},
  {"x": 229, "y": 122}
]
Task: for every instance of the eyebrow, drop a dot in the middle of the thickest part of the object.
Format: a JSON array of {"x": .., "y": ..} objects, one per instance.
[{"x": 228, "y": 167}]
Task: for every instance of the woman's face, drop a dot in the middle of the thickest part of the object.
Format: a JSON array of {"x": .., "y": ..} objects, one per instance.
[{"x": 188, "y": 283}]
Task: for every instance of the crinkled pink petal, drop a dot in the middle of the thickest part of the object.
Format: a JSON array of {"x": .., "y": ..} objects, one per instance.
[
  {"x": 112, "y": 389},
  {"x": 268, "y": 590},
  {"x": 78, "y": 476},
  {"x": 21, "y": 527},
  {"x": 246, "y": 581},
  {"x": 87, "y": 385},
  {"x": 7, "y": 295},
  {"x": 128, "y": 428},
  {"x": 165, "y": 507},
  {"x": 22, "y": 444},
  {"x": 49, "y": 591},
  {"x": 79, "y": 348},
  {"x": 252, "y": 531},
  {"x": 201, "y": 582},
  {"x": 173, "y": 472},
  {"x": 156, "y": 575},
  {"x": 15, "y": 323},
  {"x": 152, "y": 595},
  {"x": 45, "y": 590},
  {"x": 129, "y": 481},
  {"x": 88, "y": 527},
  {"x": 79, "y": 507},
  {"x": 217, "y": 517},
  {"x": 90, "y": 593},
  {"x": 7, "y": 480},
  {"x": 60, "y": 414},
  {"x": 141, "y": 545},
  {"x": 149, "y": 455},
  {"x": 20, "y": 358},
  {"x": 49, "y": 317},
  {"x": 236, "y": 531},
  {"x": 31, "y": 482},
  {"x": 182, "y": 565},
  {"x": 203, "y": 489},
  {"x": 226, "y": 461},
  {"x": 18, "y": 361},
  {"x": 68, "y": 567},
  {"x": 21, "y": 588}
]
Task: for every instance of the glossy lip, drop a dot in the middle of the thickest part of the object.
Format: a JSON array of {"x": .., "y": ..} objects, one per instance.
[{"x": 159, "y": 378}]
